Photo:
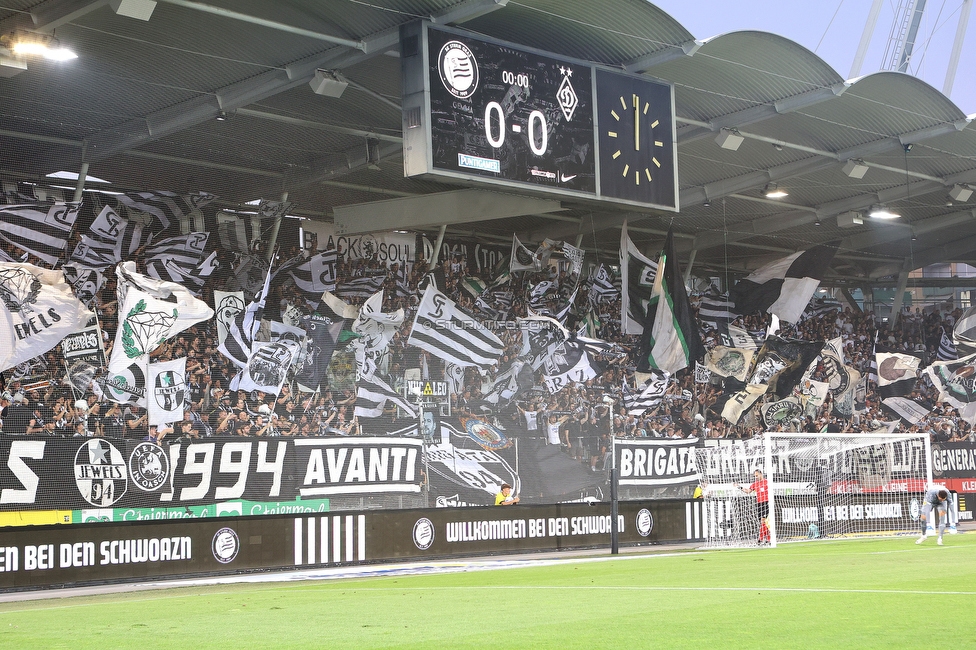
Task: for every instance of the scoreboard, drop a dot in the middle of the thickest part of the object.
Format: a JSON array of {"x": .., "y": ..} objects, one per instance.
[{"x": 491, "y": 113}]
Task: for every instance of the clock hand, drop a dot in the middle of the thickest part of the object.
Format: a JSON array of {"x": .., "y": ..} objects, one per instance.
[{"x": 636, "y": 123}]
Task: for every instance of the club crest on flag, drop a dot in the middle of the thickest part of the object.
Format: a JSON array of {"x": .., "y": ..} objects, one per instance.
[
  {"x": 169, "y": 390},
  {"x": 485, "y": 434},
  {"x": 19, "y": 289}
]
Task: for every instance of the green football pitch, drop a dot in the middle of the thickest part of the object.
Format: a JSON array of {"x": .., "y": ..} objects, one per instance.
[{"x": 848, "y": 594}]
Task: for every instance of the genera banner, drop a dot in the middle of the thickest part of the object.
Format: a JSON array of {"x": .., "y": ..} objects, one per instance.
[
  {"x": 101, "y": 473},
  {"x": 954, "y": 464},
  {"x": 46, "y": 556}
]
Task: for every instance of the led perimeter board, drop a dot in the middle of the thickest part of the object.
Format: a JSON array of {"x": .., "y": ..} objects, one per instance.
[{"x": 492, "y": 113}]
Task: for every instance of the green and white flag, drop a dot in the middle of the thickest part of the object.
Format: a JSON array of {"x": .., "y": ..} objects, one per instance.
[
  {"x": 671, "y": 339},
  {"x": 150, "y": 312}
]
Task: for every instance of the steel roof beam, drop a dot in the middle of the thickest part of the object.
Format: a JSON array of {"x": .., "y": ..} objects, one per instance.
[
  {"x": 664, "y": 55},
  {"x": 762, "y": 112},
  {"x": 195, "y": 111}
]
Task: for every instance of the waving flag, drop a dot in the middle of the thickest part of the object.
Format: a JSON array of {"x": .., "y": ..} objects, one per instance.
[
  {"x": 450, "y": 334},
  {"x": 784, "y": 287},
  {"x": 41, "y": 229},
  {"x": 38, "y": 310},
  {"x": 637, "y": 282}
]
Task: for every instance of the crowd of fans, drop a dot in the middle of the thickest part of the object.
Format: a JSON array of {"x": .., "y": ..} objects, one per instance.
[{"x": 582, "y": 418}]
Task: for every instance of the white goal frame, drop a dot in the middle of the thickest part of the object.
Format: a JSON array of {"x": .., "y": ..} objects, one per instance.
[{"x": 729, "y": 514}]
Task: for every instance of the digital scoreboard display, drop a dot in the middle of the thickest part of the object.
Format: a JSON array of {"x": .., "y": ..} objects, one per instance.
[{"x": 492, "y": 113}]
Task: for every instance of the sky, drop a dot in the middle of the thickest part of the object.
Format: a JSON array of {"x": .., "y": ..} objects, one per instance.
[{"x": 832, "y": 29}]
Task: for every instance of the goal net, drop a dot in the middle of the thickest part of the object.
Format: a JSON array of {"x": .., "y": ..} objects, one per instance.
[{"x": 820, "y": 486}]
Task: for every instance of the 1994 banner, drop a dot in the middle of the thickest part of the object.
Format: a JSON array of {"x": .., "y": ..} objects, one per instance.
[{"x": 54, "y": 473}]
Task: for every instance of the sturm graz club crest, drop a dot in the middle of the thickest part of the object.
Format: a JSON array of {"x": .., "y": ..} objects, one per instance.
[
  {"x": 458, "y": 69},
  {"x": 148, "y": 466},
  {"x": 19, "y": 289},
  {"x": 645, "y": 522},
  {"x": 100, "y": 473},
  {"x": 143, "y": 331},
  {"x": 225, "y": 545},
  {"x": 423, "y": 533},
  {"x": 170, "y": 391}
]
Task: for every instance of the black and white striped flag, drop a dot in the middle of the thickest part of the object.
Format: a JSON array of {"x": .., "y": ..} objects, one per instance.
[
  {"x": 372, "y": 395},
  {"x": 818, "y": 307},
  {"x": 93, "y": 254},
  {"x": 166, "y": 208},
  {"x": 947, "y": 350},
  {"x": 450, "y": 334},
  {"x": 602, "y": 288},
  {"x": 363, "y": 287},
  {"x": 195, "y": 278},
  {"x": 715, "y": 309},
  {"x": 181, "y": 254},
  {"x": 873, "y": 364},
  {"x": 314, "y": 275},
  {"x": 40, "y": 229},
  {"x": 649, "y": 395}
]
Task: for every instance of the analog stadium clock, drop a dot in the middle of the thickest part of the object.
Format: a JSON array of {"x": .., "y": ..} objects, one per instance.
[{"x": 636, "y": 139}]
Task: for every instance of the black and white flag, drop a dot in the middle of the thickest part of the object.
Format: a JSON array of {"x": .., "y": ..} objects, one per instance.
[
  {"x": 947, "y": 350},
  {"x": 637, "y": 284},
  {"x": 375, "y": 329},
  {"x": 362, "y": 287},
  {"x": 522, "y": 258},
  {"x": 784, "y": 287},
  {"x": 39, "y": 309},
  {"x": 745, "y": 339},
  {"x": 236, "y": 233},
  {"x": 175, "y": 257},
  {"x": 315, "y": 275},
  {"x": 964, "y": 333},
  {"x": 93, "y": 254},
  {"x": 601, "y": 286},
  {"x": 897, "y": 373},
  {"x": 40, "y": 229},
  {"x": 716, "y": 309},
  {"x": 85, "y": 282},
  {"x": 166, "y": 208},
  {"x": 372, "y": 395},
  {"x": 448, "y": 333},
  {"x": 150, "y": 312},
  {"x": 168, "y": 391},
  {"x": 647, "y": 396},
  {"x": 239, "y": 341}
]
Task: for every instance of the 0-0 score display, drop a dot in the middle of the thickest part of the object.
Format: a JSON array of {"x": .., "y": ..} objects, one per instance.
[{"x": 500, "y": 114}]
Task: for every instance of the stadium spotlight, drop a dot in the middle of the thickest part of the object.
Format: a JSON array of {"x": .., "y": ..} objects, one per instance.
[
  {"x": 22, "y": 44},
  {"x": 880, "y": 211},
  {"x": 138, "y": 9},
  {"x": 221, "y": 116},
  {"x": 328, "y": 83},
  {"x": 773, "y": 191}
]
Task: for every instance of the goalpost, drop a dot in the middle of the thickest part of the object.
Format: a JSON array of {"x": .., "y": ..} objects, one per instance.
[{"x": 821, "y": 485}]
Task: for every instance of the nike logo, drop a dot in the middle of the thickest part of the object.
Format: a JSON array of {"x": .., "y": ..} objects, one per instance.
[{"x": 563, "y": 178}]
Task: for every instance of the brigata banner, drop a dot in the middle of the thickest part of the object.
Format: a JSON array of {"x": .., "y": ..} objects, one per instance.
[
  {"x": 656, "y": 467},
  {"x": 100, "y": 473},
  {"x": 44, "y": 556}
]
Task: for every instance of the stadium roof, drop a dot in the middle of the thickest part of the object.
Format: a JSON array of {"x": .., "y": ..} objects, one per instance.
[{"x": 141, "y": 101}]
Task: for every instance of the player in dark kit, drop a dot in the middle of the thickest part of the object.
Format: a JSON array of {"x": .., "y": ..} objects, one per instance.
[
  {"x": 760, "y": 487},
  {"x": 935, "y": 497}
]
